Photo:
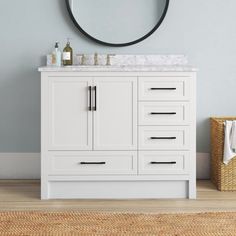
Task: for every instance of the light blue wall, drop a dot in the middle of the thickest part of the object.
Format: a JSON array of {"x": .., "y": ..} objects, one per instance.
[
  {"x": 203, "y": 30},
  {"x": 103, "y": 18}
]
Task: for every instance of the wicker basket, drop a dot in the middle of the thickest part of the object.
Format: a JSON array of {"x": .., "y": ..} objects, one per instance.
[{"x": 223, "y": 176}]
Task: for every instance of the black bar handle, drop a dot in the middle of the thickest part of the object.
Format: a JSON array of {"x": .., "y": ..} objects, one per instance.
[
  {"x": 95, "y": 98},
  {"x": 163, "y": 88},
  {"x": 163, "y": 162},
  {"x": 163, "y": 113},
  {"x": 90, "y": 98},
  {"x": 163, "y": 138},
  {"x": 92, "y": 163}
]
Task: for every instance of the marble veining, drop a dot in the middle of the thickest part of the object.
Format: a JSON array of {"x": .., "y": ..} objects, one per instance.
[
  {"x": 131, "y": 60},
  {"x": 150, "y": 60},
  {"x": 119, "y": 69},
  {"x": 130, "y": 63}
]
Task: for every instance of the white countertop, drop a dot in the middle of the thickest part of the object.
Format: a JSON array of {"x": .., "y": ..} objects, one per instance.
[{"x": 121, "y": 68}]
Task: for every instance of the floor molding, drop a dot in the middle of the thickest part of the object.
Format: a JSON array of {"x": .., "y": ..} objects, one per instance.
[
  {"x": 203, "y": 165},
  {"x": 19, "y": 165},
  {"x": 27, "y": 165}
]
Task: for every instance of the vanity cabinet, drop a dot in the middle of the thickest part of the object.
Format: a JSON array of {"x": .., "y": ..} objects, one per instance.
[
  {"x": 92, "y": 113},
  {"x": 117, "y": 134}
]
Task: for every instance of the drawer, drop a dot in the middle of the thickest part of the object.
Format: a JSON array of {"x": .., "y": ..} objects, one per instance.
[
  {"x": 164, "y": 138},
  {"x": 164, "y": 88},
  {"x": 92, "y": 163},
  {"x": 154, "y": 163},
  {"x": 164, "y": 113}
]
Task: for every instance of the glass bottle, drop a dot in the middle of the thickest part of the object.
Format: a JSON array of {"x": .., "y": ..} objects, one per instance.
[{"x": 67, "y": 54}]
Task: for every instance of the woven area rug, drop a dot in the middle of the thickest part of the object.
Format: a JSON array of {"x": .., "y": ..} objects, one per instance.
[{"x": 42, "y": 223}]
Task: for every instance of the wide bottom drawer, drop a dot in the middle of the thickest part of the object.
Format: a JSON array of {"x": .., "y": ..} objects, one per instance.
[
  {"x": 92, "y": 163},
  {"x": 157, "y": 162}
]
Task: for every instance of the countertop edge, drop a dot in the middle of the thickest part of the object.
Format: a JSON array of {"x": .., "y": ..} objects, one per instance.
[{"x": 175, "y": 68}]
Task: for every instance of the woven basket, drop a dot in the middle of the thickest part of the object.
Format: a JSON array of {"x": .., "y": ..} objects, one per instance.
[{"x": 223, "y": 176}]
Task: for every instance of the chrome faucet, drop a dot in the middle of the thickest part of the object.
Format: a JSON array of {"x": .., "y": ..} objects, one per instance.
[{"x": 96, "y": 59}]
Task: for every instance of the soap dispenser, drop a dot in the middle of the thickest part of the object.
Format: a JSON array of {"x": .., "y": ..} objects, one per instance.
[
  {"x": 56, "y": 55},
  {"x": 68, "y": 54}
]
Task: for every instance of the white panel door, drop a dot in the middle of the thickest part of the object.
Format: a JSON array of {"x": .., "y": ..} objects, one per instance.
[
  {"x": 70, "y": 121},
  {"x": 115, "y": 117}
]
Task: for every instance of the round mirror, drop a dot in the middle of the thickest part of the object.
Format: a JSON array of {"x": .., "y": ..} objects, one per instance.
[{"x": 117, "y": 22}]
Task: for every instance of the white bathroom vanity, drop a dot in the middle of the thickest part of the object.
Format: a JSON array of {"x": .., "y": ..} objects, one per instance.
[{"x": 118, "y": 132}]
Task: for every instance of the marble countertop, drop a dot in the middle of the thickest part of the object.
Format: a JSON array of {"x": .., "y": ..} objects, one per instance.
[
  {"x": 121, "y": 68},
  {"x": 127, "y": 63}
]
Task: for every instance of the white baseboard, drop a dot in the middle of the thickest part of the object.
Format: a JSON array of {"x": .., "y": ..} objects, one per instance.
[
  {"x": 27, "y": 165},
  {"x": 203, "y": 165},
  {"x": 19, "y": 165}
]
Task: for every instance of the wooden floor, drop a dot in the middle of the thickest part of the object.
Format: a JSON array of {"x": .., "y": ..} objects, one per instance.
[{"x": 25, "y": 195}]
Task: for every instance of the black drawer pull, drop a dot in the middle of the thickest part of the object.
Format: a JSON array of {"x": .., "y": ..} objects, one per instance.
[
  {"x": 163, "y": 113},
  {"x": 163, "y": 162},
  {"x": 92, "y": 163},
  {"x": 172, "y": 138},
  {"x": 163, "y": 88}
]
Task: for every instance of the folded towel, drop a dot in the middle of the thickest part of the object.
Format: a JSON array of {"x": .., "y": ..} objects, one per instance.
[
  {"x": 230, "y": 141},
  {"x": 233, "y": 136}
]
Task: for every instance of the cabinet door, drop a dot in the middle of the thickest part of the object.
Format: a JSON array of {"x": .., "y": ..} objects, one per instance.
[
  {"x": 115, "y": 117},
  {"x": 70, "y": 121}
]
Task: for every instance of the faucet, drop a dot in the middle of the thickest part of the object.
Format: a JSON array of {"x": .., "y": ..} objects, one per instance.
[
  {"x": 109, "y": 59},
  {"x": 96, "y": 59}
]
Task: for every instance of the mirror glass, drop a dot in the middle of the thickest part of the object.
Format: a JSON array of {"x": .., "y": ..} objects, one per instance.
[{"x": 117, "y": 21}]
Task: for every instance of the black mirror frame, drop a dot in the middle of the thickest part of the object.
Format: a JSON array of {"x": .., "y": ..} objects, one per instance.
[{"x": 117, "y": 44}]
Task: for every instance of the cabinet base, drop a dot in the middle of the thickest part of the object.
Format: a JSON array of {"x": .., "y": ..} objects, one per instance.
[{"x": 117, "y": 190}]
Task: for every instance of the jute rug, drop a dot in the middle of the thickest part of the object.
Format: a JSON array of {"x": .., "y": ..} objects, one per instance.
[{"x": 39, "y": 223}]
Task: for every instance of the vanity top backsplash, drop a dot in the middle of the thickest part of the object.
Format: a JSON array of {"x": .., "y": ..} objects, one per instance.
[{"x": 127, "y": 63}]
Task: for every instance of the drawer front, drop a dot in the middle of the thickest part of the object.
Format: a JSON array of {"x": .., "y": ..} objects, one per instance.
[
  {"x": 164, "y": 88},
  {"x": 164, "y": 138},
  {"x": 164, "y": 113},
  {"x": 93, "y": 163},
  {"x": 154, "y": 163}
]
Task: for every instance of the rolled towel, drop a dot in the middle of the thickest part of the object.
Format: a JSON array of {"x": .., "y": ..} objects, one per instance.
[{"x": 229, "y": 152}]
